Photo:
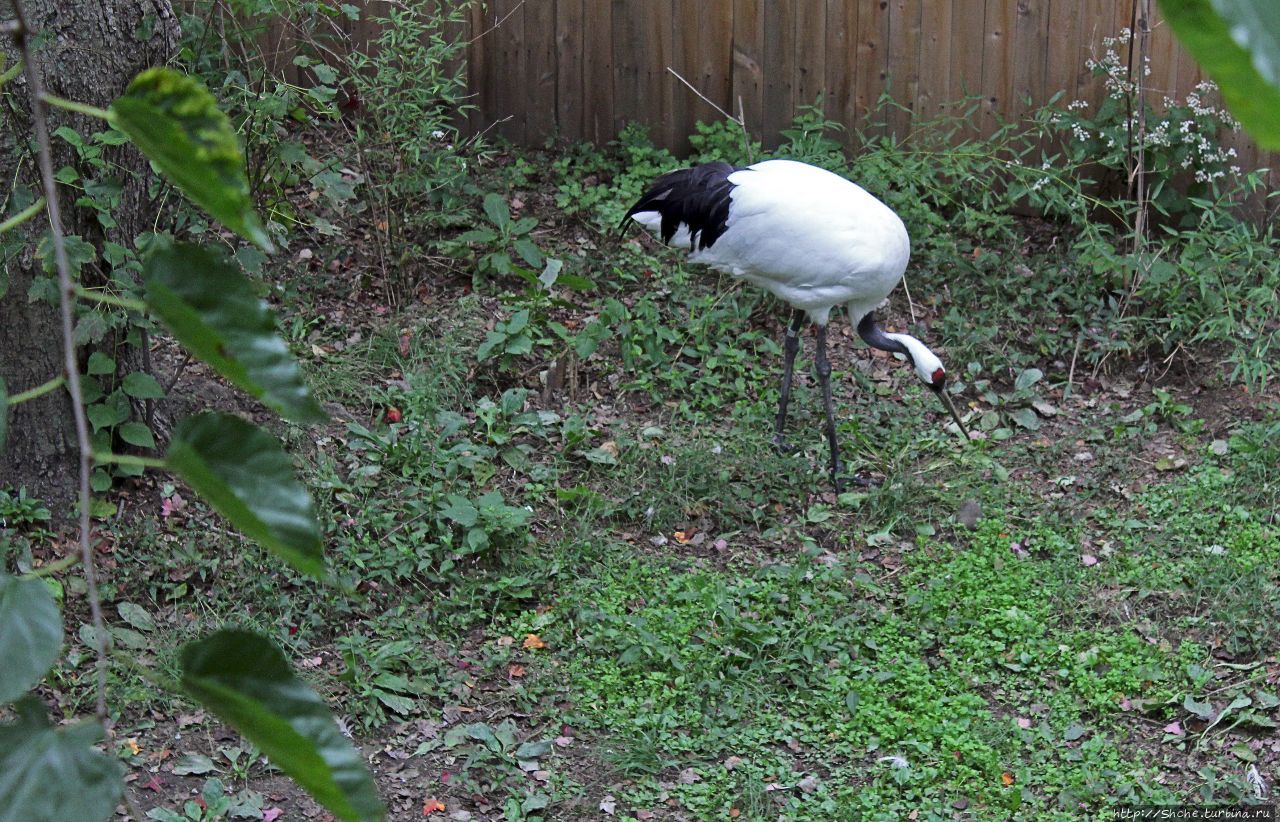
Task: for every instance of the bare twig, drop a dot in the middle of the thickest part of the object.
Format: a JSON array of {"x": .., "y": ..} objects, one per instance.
[
  {"x": 1141, "y": 33},
  {"x": 704, "y": 97},
  {"x": 740, "y": 120},
  {"x": 67, "y": 292},
  {"x": 499, "y": 23},
  {"x": 1071, "y": 374},
  {"x": 911, "y": 304}
]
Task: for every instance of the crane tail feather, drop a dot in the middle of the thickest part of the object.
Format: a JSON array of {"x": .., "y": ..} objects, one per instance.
[{"x": 694, "y": 199}]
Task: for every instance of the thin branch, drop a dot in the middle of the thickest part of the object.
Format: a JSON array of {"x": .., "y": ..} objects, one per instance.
[
  {"x": 54, "y": 567},
  {"x": 499, "y": 23},
  {"x": 38, "y": 391},
  {"x": 128, "y": 459},
  {"x": 740, "y": 120},
  {"x": 100, "y": 296},
  {"x": 22, "y": 216},
  {"x": 67, "y": 290},
  {"x": 704, "y": 97},
  {"x": 72, "y": 105}
]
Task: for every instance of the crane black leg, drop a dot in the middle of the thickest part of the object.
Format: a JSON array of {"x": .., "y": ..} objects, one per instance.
[
  {"x": 824, "y": 377},
  {"x": 790, "y": 345}
]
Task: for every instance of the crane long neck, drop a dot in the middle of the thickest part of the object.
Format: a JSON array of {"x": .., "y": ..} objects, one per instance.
[{"x": 875, "y": 336}]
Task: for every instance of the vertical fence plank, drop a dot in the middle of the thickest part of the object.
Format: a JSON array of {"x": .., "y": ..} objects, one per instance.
[
  {"x": 480, "y": 71},
  {"x": 779, "y": 67},
  {"x": 642, "y": 87},
  {"x": 1096, "y": 17},
  {"x": 872, "y": 54},
  {"x": 598, "y": 124},
  {"x": 1063, "y": 63},
  {"x": 810, "y": 51},
  {"x": 936, "y": 43},
  {"x": 1163, "y": 80},
  {"x": 748, "y": 64},
  {"x": 570, "y": 94},
  {"x": 538, "y": 82},
  {"x": 1030, "y": 65},
  {"x": 969, "y": 26},
  {"x": 997, "y": 64},
  {"x": 507, "y": 108},
  {"x": 703, "y": 34},
  {"x": 842, "y": 65},
  {"x": 903, "y": 82}
]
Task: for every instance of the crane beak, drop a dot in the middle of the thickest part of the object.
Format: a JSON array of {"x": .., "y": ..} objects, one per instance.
[{"x": 942, "y": 395}]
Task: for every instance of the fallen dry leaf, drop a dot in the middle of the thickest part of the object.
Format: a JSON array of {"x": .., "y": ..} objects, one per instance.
[
  {"x": 1006, "y": 779},
  {"x": 432, "y": 806},
  {"x": 608, "y": 805},
  {"x": 514, "y": 670},
  {"x": 533, "y": 642}
]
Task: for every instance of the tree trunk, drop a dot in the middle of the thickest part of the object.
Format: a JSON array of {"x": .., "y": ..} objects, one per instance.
[{"x": 87, "y": 52}]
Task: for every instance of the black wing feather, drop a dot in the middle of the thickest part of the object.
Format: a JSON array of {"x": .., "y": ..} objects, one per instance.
[{"x": 697, "y": 197}]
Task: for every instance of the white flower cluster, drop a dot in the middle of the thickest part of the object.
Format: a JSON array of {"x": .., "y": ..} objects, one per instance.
[{"x": 1191, "y": 124}]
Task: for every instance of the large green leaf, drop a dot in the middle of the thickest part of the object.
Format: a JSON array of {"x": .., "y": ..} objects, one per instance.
[
  {"x": 176, "y": 122},
  {"x": 244, "y": 473},
  {"x": 1238, "y": 43},
  {"x": 212, "y": 310},
  {"x": 52, "y": 774},
  {"x": 246, "y": 681},
  {"x": 30, "y": 635}
]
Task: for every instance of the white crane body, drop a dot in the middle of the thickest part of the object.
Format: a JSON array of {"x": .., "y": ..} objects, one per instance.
[{"x": 812, "y": 238}]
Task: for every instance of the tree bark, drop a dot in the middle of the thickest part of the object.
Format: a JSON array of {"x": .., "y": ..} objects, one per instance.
[{"x": 88, "y": 52}]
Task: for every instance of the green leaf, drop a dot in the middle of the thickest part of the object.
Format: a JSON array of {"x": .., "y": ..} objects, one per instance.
[
  {"x": 137, "y": 433},
  {"x": 1028, "y": 378},
  {"x": 1026, "y": 418},
  {"x": 100, "y": 363},
  {"x": 533, "y": 750},
  {"x": 30, "y": 635},
  {"x": 244, "y": 473},
  {"x": 477, "y": 235},
  {"x": 495, "y": 208},
  {"x": 137, "y": 616},
  {"x": 528, "y": 251},
  {"x": 212, "y": 310},
  {"x": 57, "y": 771},
  {"x": 107, "y": 414},
  {"x": 175, "y": 121},
  {"x": 461, "y": 511},
  {"x": 194, "y": 764},
  {"x": 246, "y": 681},
  {"x": 1238, "y": 43},
  {"x": 142, "y": 386}
]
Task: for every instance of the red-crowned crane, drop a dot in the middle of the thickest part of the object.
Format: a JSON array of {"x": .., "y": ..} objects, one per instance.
[{"x": 810, "y": 237}]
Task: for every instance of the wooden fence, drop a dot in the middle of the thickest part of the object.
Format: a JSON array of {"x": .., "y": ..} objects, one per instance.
[{"x": 581, "y": 69}]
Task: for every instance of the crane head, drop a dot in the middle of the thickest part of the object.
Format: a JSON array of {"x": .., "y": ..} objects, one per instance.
[
  {"x": 926, "y": 363},
  {"x": 937, "y": 383}
]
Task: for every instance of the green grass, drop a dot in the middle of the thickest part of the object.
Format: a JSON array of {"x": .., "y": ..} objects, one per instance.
[{"x": 721, "y": 631}]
